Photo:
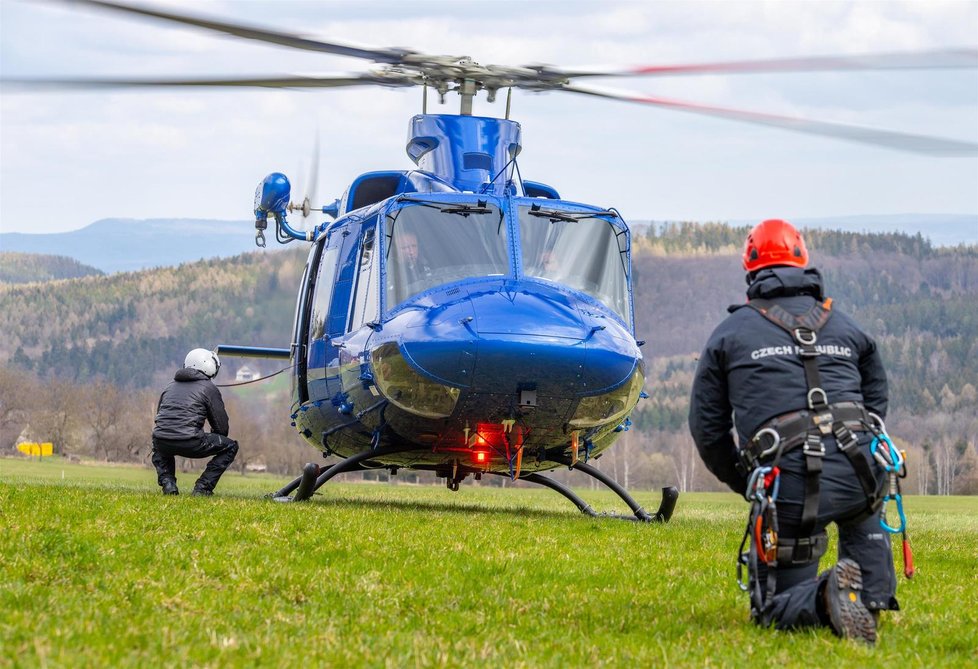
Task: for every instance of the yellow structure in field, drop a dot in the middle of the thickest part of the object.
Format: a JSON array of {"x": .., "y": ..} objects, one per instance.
[{"x": 36, "y": 449}]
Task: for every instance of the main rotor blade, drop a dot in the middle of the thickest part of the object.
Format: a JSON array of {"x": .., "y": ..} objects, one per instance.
[
  {"x": 285, "y": 81},
  {"x": 923, "y": 60},
  {"x": 255, "y": 33},
  {"x": 890, "y": 139}
]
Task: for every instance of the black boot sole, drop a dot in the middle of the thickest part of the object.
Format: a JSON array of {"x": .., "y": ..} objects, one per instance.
[{"x": 850, "y": 618}]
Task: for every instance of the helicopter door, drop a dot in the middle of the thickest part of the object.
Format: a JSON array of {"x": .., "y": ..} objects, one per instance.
[
  {"x": 299, "y": 330},
  {"x": 366, "y": 302},
  {"x": 319, "y": 353}
]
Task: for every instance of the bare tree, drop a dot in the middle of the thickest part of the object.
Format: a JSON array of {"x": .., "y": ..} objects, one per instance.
[
  {"x": 684, "y": 459},
  {"x": 18, "y": 393},
  {"x": 102, "y": 411},
  {"x": 57, "y": 417}
]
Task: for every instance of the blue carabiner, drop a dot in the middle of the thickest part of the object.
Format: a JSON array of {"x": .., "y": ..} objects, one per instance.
[
  {"x": 894, "y": 461},
  {"x": 898, "y": 498}
]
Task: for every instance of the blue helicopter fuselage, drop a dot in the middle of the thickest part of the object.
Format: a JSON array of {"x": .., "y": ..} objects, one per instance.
[{"x": 442, "y": 312}]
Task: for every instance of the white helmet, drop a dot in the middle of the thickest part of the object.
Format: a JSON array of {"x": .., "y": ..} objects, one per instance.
[{"x": 203, "y": 360}]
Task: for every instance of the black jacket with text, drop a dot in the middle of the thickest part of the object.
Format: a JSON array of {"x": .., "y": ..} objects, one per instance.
[
  {"x": 189, "y": 400},
  {"x": 750, "y": 371}
]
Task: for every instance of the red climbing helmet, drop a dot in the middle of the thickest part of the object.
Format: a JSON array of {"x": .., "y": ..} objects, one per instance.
[{"x": 774, "y": 242}]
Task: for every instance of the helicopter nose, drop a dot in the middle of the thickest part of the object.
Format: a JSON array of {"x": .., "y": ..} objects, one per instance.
[{"x": 506, "y": 337}]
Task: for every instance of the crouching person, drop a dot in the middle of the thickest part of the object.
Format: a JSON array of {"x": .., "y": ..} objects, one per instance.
[{"x": 189, "y": 400}]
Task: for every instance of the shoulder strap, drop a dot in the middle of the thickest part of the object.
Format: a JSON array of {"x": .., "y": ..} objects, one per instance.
[
  {"x": 804, "y": 330},
  {"x": 813, "y": 320}
]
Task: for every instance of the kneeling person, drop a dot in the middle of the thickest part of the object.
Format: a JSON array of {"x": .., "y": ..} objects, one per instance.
[{"x": 189, "y": 400}]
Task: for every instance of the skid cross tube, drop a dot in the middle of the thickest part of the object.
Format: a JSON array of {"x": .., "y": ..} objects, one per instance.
[
  {"x": 669, "y": 494},
  {"x": 556, "y": 486}
]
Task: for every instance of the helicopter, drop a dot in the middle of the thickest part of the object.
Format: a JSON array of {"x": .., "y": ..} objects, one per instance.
[{"x": 455, "y": 317}]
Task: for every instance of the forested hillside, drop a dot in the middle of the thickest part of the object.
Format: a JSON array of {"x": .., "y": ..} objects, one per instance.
[
  {"x": 920, "y": 303},
  {"x": 31, "y": 267},
  {"x": 130, "y": 330}
]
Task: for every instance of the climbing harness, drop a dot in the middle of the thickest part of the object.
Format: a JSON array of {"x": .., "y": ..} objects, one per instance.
[{"x": 805, "y": 429}]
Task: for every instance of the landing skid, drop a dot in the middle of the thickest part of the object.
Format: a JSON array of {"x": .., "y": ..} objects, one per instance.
[
  {"x": 313, "y": 478},
  {"x": 666, "y": 507}
]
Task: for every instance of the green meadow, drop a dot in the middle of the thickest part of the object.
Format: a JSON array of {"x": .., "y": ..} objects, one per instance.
[{"x": 97, "y": 569}]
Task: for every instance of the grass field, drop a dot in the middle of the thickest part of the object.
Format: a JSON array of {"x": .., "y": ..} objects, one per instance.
[{"x": 98, "y": 569}]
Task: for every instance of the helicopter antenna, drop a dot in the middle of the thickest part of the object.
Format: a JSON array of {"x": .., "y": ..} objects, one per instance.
[{"x": 519, "y": 175}]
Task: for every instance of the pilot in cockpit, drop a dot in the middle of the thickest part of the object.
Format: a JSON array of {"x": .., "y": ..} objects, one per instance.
[{"x": 408, "y": 271}]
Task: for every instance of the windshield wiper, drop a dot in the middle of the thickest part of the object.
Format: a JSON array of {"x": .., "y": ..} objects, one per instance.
[
  {"x": 466, "y": 209},
  {"x": 462, "y": 209},
  {"x": 567, "y": 216}
]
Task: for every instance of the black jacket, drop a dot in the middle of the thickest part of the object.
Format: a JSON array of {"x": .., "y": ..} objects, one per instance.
[
  {"x": 749, "y": 371},
  {"x": 185, "y": 404}
]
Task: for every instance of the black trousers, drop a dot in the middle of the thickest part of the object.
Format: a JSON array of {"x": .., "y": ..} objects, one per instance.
[
  {"x": 841, "y": 501},
  {"x": 220, "y": 447}
]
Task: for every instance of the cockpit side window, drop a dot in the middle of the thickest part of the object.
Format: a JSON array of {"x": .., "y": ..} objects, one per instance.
[
  {"x": 588, "y": 254},
  {"x": 429, "y": 244},
  {"x": 325, "y": 281},
  {"x": 366, "y": 303}
]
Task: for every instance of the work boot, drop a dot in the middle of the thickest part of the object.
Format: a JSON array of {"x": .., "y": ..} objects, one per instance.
[
  {"x": 848, "y": 616},
  {"x": 201, "y": 492},
  {"x": 170, "y": 487}
]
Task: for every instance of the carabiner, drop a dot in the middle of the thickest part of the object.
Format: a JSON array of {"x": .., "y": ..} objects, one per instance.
[
  {"x": 891, "y": 460},
  {"x": 755, "y": 484},
  {"x": 898, "y": 499},
  {"x": 775, "y": 441}
]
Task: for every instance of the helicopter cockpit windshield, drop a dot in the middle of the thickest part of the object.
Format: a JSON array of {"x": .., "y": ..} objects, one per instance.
[
  {"x": 577, "y": 249},
  {"x": 433, "y": 244}
]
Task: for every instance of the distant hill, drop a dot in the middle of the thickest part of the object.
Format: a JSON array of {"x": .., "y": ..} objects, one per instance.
[
  {"x": 124, "y": 245},
  {"x": 32, "y": 267}
]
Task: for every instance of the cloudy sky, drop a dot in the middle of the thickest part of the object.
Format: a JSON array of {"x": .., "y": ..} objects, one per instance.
[{"x": 68, "y": 159}]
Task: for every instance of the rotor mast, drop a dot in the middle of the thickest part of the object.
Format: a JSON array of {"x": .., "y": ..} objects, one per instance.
[{"x": 467, "y": 90}]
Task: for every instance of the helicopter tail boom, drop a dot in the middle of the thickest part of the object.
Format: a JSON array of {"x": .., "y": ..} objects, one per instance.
[{"x": 255, "y": 352}]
